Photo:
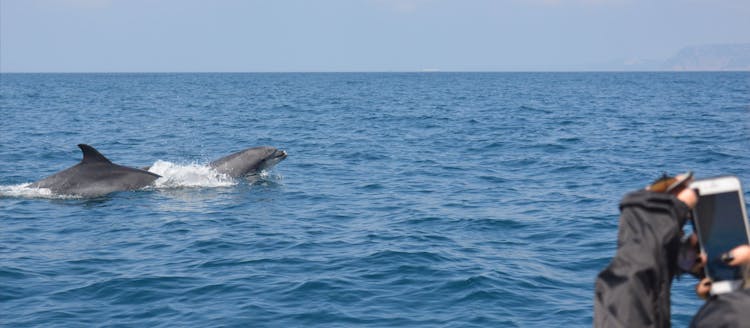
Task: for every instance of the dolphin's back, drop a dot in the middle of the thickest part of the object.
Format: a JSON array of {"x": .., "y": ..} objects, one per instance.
[{"x": 95, "y": 175}]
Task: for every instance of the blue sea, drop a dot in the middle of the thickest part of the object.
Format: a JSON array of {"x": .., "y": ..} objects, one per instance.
[{"x": 407, "y": 199}]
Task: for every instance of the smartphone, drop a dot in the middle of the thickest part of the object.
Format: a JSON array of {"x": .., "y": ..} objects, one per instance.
[{"x": 721, "y": 224}]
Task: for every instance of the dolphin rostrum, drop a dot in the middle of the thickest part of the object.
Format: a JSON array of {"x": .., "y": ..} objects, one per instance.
[
  {"x": 95, "y": 175},
  {"x": 248, "y": 161}
]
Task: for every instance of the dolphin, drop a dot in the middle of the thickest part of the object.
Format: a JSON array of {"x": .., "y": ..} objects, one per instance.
[
  {"x": 248, "y": 161},
  {"x": 95, "y": 175}
]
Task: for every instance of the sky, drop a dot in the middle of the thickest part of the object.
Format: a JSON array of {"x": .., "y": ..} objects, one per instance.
[{"x": 356, "y": 35}]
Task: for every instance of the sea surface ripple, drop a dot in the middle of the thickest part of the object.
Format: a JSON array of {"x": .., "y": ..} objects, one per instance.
[{"x": 407, "y": 199}]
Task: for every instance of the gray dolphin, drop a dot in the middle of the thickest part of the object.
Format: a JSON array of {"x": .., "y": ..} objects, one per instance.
[
  {"x": 248, "y": 161},
  {"x": 95, "y": 175}
]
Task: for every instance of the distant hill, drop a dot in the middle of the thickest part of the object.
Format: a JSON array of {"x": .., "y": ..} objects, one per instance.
[{"x": 720, "y": 57}]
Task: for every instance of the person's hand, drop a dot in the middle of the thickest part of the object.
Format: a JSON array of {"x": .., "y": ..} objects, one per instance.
[
  {"x": 740, "y": 255},
  {"x": 689, "y": 257}
]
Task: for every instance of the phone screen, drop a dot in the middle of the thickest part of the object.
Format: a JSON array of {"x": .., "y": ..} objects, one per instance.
[{"x": 722, "y": 228}]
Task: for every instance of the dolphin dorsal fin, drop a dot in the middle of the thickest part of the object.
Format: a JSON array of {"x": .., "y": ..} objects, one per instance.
[{"x": 91, "y": 155}]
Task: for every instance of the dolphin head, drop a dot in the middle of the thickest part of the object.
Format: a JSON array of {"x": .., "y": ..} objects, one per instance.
[
  {"x": 249, "y": 161},
  {"x": 272, "y": 157}
]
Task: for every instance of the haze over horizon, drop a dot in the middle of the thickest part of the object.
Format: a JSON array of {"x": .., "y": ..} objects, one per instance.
[{"x": 358, "y": 35}]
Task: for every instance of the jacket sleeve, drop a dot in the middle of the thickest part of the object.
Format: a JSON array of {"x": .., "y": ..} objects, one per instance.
[
  {"x": 725, "y": 311},
  {"x": 634, "y": 289}
]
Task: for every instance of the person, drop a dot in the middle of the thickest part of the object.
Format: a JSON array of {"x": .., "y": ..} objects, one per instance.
[
  {"x": 634, "y": 289},
  {"x": 730, "y": 309}
]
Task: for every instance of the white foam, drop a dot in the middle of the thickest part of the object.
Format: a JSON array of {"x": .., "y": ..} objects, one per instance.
[
  {"x": 25, "y": 191},
  {"x": 188, "y": 176}
]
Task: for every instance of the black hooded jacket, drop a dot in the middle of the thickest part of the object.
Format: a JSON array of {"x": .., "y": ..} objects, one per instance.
[{"x": 634, "y": 290}]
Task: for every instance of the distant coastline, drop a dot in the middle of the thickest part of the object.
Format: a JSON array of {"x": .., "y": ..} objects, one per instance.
[
  {"x": 721, "y": 57},
  {"x": 701, "y": 58}
]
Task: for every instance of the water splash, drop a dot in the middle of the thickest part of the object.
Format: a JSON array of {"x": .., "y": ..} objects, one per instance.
[
  {"x": 188, "y": 176},
  {"x": 24, "y": 190}
]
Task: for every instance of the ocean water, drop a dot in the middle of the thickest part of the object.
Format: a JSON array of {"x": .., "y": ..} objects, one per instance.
[{"x": 407, "y": 199}]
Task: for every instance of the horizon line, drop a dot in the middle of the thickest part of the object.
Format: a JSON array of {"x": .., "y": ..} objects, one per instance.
[{"x": 425, "y": 71}]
